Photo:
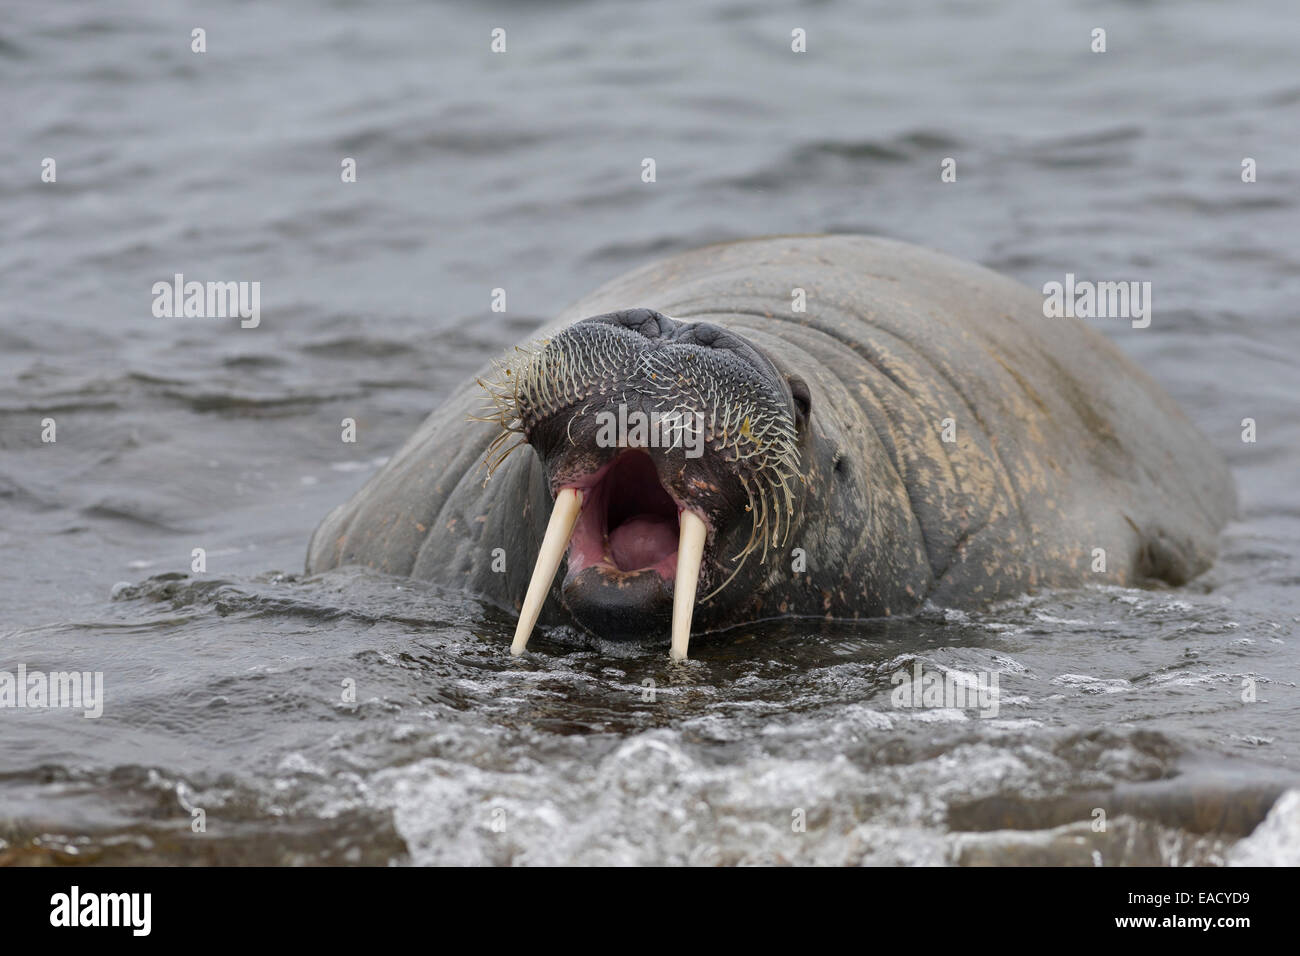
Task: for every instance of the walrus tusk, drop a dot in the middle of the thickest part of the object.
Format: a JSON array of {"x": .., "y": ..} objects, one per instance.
[
  {"x": 690, "y": 549},
  {"x": 568, "y": 505}
]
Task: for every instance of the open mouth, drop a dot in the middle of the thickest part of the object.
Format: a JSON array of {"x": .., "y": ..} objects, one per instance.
[
  {"x": 620, "y": 525},
  {"x": 629, "y": 522}
]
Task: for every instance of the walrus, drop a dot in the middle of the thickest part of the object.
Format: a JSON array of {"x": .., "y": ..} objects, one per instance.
[{"x": 847, "y": 427}]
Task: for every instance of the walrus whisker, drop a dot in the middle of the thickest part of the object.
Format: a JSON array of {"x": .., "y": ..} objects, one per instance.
[
  {"x": 731, "y": 577},
  {"x": 491, "y": 466},
  {"x": 749, "y": 506}
]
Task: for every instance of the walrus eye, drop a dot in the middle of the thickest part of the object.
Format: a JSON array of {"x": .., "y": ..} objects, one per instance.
[{"x": 802, "y": 400}]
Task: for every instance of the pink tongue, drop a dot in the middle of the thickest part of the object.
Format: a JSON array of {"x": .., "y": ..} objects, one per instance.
[{"x": 642, "y": 542}]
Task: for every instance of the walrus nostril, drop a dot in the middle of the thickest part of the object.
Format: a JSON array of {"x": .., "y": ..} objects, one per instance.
[
  {"x": 645, "y": 322},
  {"x": 714, "y": 337},
  {"x": 710, "y": 336}
]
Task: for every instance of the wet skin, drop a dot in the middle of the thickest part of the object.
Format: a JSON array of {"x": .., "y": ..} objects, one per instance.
[{"x": 952, "y": 444}]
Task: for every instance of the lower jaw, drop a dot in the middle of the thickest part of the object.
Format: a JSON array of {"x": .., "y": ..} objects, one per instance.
[{"x": 619, "y": 605}]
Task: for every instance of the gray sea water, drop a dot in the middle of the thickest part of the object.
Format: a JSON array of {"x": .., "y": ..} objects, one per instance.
[{"x": 224, "y": 691}]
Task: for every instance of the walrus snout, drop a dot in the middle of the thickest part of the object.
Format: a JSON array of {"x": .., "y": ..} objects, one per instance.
[{"x": 671, "y": 448}]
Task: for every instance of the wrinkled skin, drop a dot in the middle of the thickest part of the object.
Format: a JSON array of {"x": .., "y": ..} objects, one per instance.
[{"x": 1062, "y": 446}]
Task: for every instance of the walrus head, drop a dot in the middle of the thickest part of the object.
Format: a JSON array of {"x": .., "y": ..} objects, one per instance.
[{"x": 673, "y": 454}]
